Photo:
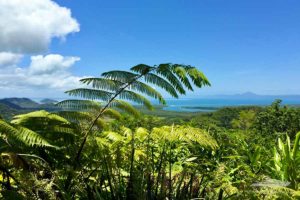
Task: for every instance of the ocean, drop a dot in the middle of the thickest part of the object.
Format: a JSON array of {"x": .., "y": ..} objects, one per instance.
[
  {"x": 209, "y": 105},
  {"x": 212, "y": 104}
]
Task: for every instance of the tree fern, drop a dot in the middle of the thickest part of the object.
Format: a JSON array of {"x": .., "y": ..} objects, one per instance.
[
  {"x": 23, "y": 135},
  {"x": 117, "y": 84}
]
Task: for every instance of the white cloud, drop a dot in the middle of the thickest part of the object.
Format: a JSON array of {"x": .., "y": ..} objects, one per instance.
[
  {"x": 50, "y": 64},
  {"x": 9, "y": 59},
  {"x": 44, "y": 72},
  {"x": 28, "y": 26}
]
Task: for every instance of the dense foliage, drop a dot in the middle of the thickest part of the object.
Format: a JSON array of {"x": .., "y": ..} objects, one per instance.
[{"x": 102, "y": 147}]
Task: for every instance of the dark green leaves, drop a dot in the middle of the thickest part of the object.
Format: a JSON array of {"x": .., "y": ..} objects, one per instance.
[
  {"x": 162, "y": 83},
  {"x": 93, "y": 94},
  {"x": 103, "y": 83},
  {"x": 122, "y": 76}
]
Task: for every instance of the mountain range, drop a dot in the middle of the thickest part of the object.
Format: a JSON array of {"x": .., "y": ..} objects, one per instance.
[{"x": 13, "y": 106}]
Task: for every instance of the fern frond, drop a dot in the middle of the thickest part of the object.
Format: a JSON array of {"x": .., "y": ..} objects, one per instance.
[
  {"x": 76, "y": 116},
  {"x": 6, "y": 128},
  {"x": 135, "y": 97},
  {"x": 90, "y": 94},
  {"x": 197, "y": 135},
  {"x": 31, "y": 138},
  {"x": 125, "y": 106},
  {"x": 162, "y": 83},
  {"x": 24, "y": 135},
  {"x": 166, "y": 71},
  {"x": 113, "y": 136},
  {"x": 185, "y": 134},
  {"x": 182, "y": 75},
  {"x": 103, "y": 83},
  {"x": 118, "y": 75},
  {"x": 112, "y": 113},
  {"x": 197, "y": 77},
  {"x": 65, "y": 130},
  {"x": 24, "y": 118},
  {"x": 77, "y": 104},
  {"x": 148, "y": 90},
  {"x": 142, "y": 68},
  {"x": 100, "y": 123},
  {"x": 141, "y": 134}
]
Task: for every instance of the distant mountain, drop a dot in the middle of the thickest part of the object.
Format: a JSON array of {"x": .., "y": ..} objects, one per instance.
[
  {"x": 13, "y": 106},
  {"x": 7, "y": 112},
  {"x": 48, "y": 101},
  {"x": 18, "y": 103}
]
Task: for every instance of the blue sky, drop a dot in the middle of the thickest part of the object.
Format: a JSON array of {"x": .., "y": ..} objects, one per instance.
[{"x": 240, "y": 45}]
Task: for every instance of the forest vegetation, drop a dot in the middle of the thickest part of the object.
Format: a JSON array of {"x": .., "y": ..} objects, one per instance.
[{"x": 97, "y": 145}]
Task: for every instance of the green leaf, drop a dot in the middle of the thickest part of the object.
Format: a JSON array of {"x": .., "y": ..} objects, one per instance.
[
  {"x": 125, "y": 106},
  {"x": 132, "y": 96},
  {"x": 148, "y": 90},
  {"x": 165, "y": 71},
  {"x": 118, "y": 75},
  {"x": 103, "y": 83},
  {"x": 90, "y": 94},
  {"x": 142, "y": 68},
  {"x": 162, "y": 83}
]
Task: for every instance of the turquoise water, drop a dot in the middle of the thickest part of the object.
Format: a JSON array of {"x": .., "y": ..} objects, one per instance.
[
  {"x": 211, "y": 104},
  {"x": 208, "y": 105}
]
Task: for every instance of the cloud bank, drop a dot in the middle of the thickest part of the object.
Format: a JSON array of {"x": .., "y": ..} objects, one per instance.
[
  {"x": 49, "y": 71},
  {"x": 27, "y": 28}
]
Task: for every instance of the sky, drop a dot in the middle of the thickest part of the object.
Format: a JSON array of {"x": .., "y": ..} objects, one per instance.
[{"x": 47, "y": 46}]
